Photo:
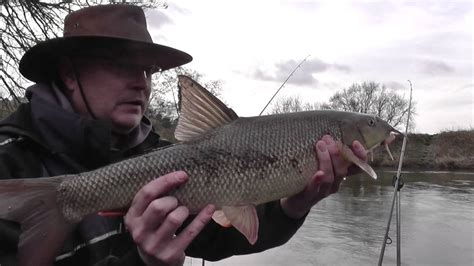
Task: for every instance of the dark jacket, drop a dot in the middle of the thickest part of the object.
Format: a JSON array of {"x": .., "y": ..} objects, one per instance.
[{"x": 40, "y": 139}]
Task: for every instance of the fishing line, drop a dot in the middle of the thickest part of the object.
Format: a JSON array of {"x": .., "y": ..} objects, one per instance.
[
  {"x": 396, "y": 193},
  {"x": 283, "y": 84}
]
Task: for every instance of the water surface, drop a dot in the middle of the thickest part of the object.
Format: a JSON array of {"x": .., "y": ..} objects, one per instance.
[{"x": 437, "y": 210}]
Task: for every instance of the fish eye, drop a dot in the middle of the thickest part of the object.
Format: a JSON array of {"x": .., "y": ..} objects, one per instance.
[{"x": 372, "y": 122}]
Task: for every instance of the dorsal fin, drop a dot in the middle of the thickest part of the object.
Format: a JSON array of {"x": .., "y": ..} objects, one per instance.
[{"x": 200, "y": 110}]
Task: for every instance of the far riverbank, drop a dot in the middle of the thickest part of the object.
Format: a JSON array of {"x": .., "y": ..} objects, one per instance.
[{"x": 451, "y": 150}]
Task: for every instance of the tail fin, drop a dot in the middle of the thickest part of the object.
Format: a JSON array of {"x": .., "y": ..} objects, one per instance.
[{"x": 33, "y": 204}]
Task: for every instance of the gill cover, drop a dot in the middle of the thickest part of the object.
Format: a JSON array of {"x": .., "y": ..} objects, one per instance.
[{"x": 369, "y": 130}]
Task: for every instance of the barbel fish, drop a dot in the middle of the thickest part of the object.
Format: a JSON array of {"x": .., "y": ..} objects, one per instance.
[{"x": 233, "y": 162}]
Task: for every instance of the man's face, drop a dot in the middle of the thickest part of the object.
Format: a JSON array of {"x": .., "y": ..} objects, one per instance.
[{"x": 117, "y": 91}]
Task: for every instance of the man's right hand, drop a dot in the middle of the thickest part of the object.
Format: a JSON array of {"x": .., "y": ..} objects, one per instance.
[
  {"x": 332, "y": 168},
  {"x": 154, "y": 217}
]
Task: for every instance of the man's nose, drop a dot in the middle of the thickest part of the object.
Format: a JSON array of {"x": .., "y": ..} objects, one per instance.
[{"x": 141, "y": 80}]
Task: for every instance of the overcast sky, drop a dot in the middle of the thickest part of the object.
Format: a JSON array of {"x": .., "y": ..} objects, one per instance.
[{"x": 252, "y": 46}]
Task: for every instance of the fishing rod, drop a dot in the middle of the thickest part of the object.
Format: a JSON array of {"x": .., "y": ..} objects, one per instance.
[
  {"x": 396, "y": 194},
  {"x": 283, "y": 84}
]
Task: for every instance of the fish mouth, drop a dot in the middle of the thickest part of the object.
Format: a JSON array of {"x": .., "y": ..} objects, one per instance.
[
  {"x": 386, "y": 142},
  {"x": 397, "y": 131}
]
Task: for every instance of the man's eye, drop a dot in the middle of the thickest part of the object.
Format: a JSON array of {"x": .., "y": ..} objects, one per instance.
[{"x": 153, "y": 69}]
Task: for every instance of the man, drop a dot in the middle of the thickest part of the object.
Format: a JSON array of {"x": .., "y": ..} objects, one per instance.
[{"x": 86, "y": 110}]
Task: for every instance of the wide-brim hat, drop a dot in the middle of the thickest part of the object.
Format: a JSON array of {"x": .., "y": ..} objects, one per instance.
[{"x": 96, "y": 30}]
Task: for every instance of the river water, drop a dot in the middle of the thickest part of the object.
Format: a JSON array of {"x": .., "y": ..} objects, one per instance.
[{"x": 347, "y": 228}]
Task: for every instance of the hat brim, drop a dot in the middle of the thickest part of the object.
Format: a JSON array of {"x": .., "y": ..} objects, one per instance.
[{"x": 39, "y": 63}]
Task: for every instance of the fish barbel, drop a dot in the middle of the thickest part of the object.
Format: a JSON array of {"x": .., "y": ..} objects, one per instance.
[{"x": 232, "y": 162}]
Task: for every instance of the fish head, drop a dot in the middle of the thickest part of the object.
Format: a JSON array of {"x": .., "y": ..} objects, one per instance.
[{"x": 369, "y": 130}]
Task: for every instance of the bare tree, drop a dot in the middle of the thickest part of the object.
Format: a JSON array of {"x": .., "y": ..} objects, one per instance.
[
  {"x": 368, "y": 97},
  {"x": 27, "y": 22},
  {"x": 373, "y": 98},
  {"x": 164, "y": 97},
  {"x": 24, "y": 23},
  {"x": 292, "y": 104}
]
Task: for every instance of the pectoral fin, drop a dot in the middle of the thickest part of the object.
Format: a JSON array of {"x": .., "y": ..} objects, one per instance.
[
  {"x": 243, "y": 218},
  {"x": 349, "y": 155}
]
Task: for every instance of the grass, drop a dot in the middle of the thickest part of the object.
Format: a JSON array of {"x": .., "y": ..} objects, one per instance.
[
  {"x": 455, "y": 149},
  {"x": 446, "y": 150}
]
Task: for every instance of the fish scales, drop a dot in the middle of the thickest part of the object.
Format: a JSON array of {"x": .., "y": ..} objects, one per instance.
[{"x": 251, "y": 160}]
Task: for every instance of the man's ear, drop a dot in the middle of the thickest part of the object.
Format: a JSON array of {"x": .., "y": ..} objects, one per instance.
[{"x": 66, "y": 73}]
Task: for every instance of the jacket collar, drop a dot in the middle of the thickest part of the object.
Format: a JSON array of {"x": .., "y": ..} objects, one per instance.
[{"x": 51, "y": 123}]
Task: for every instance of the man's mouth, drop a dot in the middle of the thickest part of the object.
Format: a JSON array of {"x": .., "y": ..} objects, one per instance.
[
  {"x": 134, "y": 105},
  {"x": 135, "y": 102}
]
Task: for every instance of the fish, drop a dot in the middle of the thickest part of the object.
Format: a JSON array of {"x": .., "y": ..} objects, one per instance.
[{"x": 234, "y": 163}]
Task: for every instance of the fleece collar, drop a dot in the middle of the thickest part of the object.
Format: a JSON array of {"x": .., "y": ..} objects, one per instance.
[{"x": 67, "y": 132}]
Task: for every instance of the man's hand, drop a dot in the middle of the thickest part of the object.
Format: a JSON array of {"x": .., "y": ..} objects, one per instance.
[
  {"x": 332, "y": 170},
  {"x": 153, "y": 219}
]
